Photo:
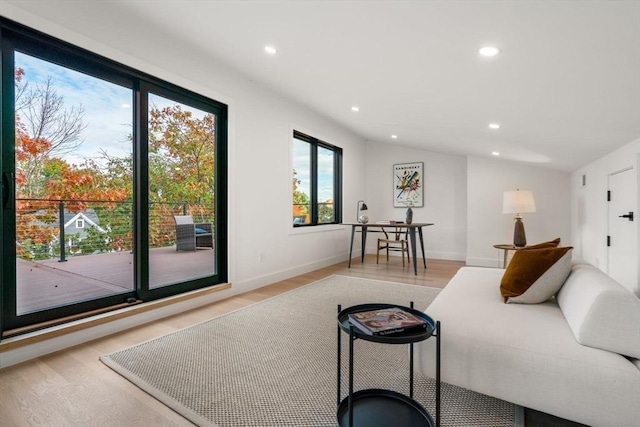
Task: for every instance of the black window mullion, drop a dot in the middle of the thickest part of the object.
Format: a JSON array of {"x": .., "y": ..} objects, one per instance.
[
  {"x": 314, "y": 182},
  {"x": 7, "y": 171},
  {"x": 337, "y": 186},
  {"x": 141, "y": 190},
  {"x": 221, "y": 192}
]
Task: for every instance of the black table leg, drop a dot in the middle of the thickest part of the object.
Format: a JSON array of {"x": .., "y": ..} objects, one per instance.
[
  {"x": 353, "y": 232},
  {"x": 412, "y": 238},
  {"x": 364, "y": 240},
  {"x": 424, "y": 259}
]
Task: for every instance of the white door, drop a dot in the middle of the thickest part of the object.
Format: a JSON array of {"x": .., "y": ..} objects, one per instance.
[{"x": 623, "y": 228}]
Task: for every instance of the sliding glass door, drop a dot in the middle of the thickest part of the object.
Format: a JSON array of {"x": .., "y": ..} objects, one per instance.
[
  {"x": 113, "y": 184},
  {"x": 73, "y": 186},
  {"x": 181, "y": 154}
]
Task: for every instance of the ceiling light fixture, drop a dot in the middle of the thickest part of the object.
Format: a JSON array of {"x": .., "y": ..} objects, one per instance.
[
  {"x": 354, "y": 108},
  {"x": 495, "y": 153},
  {"x": 270, "y": 50},
  {"x": 494, "y": 126},
  {"x": 394, "y": 136},
  {"x": 489, "y": 51}
]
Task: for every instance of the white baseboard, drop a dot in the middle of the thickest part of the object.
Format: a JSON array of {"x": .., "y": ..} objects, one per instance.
[{"x": 277, "y": 276}]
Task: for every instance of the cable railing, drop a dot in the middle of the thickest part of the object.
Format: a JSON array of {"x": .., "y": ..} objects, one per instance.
[{"x": 61, "y": 228}]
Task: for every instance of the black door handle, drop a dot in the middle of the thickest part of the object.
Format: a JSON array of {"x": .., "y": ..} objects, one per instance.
[
  {"x": 7, "y": 190},
  {"x": 630, "y": 216}
]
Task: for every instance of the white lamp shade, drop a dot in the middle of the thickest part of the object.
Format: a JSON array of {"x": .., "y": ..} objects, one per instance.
[{"x": 519, "y": 201}]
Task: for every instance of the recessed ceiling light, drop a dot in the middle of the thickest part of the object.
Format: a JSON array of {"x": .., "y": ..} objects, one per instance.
[
  {"x": 270, "y": 50},
  {"x": 494, "y": 126},
  {"x": 495, "y": 153},
  {"x": 394, "y": 136},
  {"x": 489, "y": 51},
  {"x": 354, "y": 108}
]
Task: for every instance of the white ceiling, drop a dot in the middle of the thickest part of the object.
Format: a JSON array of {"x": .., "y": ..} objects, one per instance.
[{"x": 565, "y": 87}]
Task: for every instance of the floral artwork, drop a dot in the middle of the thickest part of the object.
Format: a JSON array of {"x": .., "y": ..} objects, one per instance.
[{"x": 407, "y": 184}]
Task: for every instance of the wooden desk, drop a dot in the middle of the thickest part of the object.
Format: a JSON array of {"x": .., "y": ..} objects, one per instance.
[{"x": 412, "y": 238}]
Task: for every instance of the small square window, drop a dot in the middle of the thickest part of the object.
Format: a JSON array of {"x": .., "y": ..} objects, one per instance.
[{"x": 79, "y": 223}]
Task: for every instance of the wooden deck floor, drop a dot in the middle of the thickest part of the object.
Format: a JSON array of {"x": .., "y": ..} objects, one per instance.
[{"x": 49, "y": 283}]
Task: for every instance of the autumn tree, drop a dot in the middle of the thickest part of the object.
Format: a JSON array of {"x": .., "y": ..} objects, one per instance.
[
  {"x": 301, "y": 200},
  {"x": 181, "y": 168},
  {"x": 45, "y": 128}
]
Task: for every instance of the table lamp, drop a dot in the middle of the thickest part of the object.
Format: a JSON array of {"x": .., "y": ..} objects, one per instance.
[
  {"x": 363, "y": 219},
  {"x": 518, "y": 202}
]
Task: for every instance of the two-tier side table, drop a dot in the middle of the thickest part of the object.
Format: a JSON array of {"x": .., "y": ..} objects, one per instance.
[{"x": 378, "y": 407}]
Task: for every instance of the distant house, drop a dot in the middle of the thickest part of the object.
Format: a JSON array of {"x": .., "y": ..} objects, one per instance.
[
  {"x": 76, "y": 226},
  {"x": 78, "y": 223}
]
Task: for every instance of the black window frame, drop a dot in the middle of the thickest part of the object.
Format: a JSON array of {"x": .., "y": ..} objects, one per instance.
[
  {"x": 17, "y": 37},
  {"x": 314, "y": 144}
]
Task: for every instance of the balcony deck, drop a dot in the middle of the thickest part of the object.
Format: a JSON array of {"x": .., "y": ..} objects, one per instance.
[{"x": 48, "y": 283}]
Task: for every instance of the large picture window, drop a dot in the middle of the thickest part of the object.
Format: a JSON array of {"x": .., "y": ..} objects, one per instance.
[
  {"x": 113, "y": 184},
  {"x": 317, "y": 181}
]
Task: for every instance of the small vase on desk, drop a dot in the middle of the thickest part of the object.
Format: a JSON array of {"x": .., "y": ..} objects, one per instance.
[{"x": 409, "y": 216}]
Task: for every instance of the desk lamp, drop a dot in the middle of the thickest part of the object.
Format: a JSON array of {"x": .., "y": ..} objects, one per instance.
[{"x": 363, "y": 219}]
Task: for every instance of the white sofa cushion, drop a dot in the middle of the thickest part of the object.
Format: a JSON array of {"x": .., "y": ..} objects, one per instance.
[
  {"x": 601, "y": 312},
  {"x": 526, "y": 354}
]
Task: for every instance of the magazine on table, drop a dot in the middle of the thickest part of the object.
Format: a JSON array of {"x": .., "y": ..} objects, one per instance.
[{"x": 386, "y": 321}]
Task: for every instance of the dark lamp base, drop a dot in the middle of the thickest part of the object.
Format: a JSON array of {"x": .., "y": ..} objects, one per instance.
[{"x": 519, "y": 238}]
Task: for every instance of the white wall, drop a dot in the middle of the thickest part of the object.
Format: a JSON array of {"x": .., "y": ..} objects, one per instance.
[
  {"x": 487, "y": 180},
  {"x": 589, "y": 206},
  {"x": 445, "y": 204}
]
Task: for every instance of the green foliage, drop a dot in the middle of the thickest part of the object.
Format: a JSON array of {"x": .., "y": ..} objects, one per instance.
[
  {"x": 326, "y": 212},
  {"x": 301, "y": 201},
  {"x": 93, "y": 242}
]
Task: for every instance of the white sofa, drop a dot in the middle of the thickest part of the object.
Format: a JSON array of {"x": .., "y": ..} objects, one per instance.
[{"x": 530, "y": 354}]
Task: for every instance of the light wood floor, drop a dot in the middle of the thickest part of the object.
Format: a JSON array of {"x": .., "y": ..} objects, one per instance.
[{"x": 73, "y": 388}]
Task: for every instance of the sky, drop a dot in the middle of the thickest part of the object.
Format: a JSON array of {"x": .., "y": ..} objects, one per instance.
[
  {"x": 108, "y": 112},
  {"x": 301, "y": 164},
  {"x": 108, "y": 107}
]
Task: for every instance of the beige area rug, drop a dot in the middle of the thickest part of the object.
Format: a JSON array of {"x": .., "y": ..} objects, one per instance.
[{"x": 273, "y": 364}]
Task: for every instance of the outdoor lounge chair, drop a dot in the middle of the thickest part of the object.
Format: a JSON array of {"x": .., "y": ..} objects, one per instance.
[{"x": 190, "y": 236}]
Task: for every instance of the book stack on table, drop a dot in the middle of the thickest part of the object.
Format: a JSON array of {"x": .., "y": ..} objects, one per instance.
[{"x": 386, "y": 321}]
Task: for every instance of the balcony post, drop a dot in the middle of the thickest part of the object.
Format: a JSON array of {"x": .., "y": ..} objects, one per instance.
[
  {"x": 184, "y": 208},
  {"x": 61, "y": 234}
]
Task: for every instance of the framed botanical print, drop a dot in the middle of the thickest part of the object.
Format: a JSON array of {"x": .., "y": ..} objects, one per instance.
[{"x": 408, "y": 184}]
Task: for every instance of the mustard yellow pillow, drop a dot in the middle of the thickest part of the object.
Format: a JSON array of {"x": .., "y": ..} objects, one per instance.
[
  {"x": 550, "y": 244},
  {"x": 535, "y": 275}
]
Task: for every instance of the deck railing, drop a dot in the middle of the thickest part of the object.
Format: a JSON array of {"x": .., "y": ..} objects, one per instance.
[{"x": 59, "y": 228}]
